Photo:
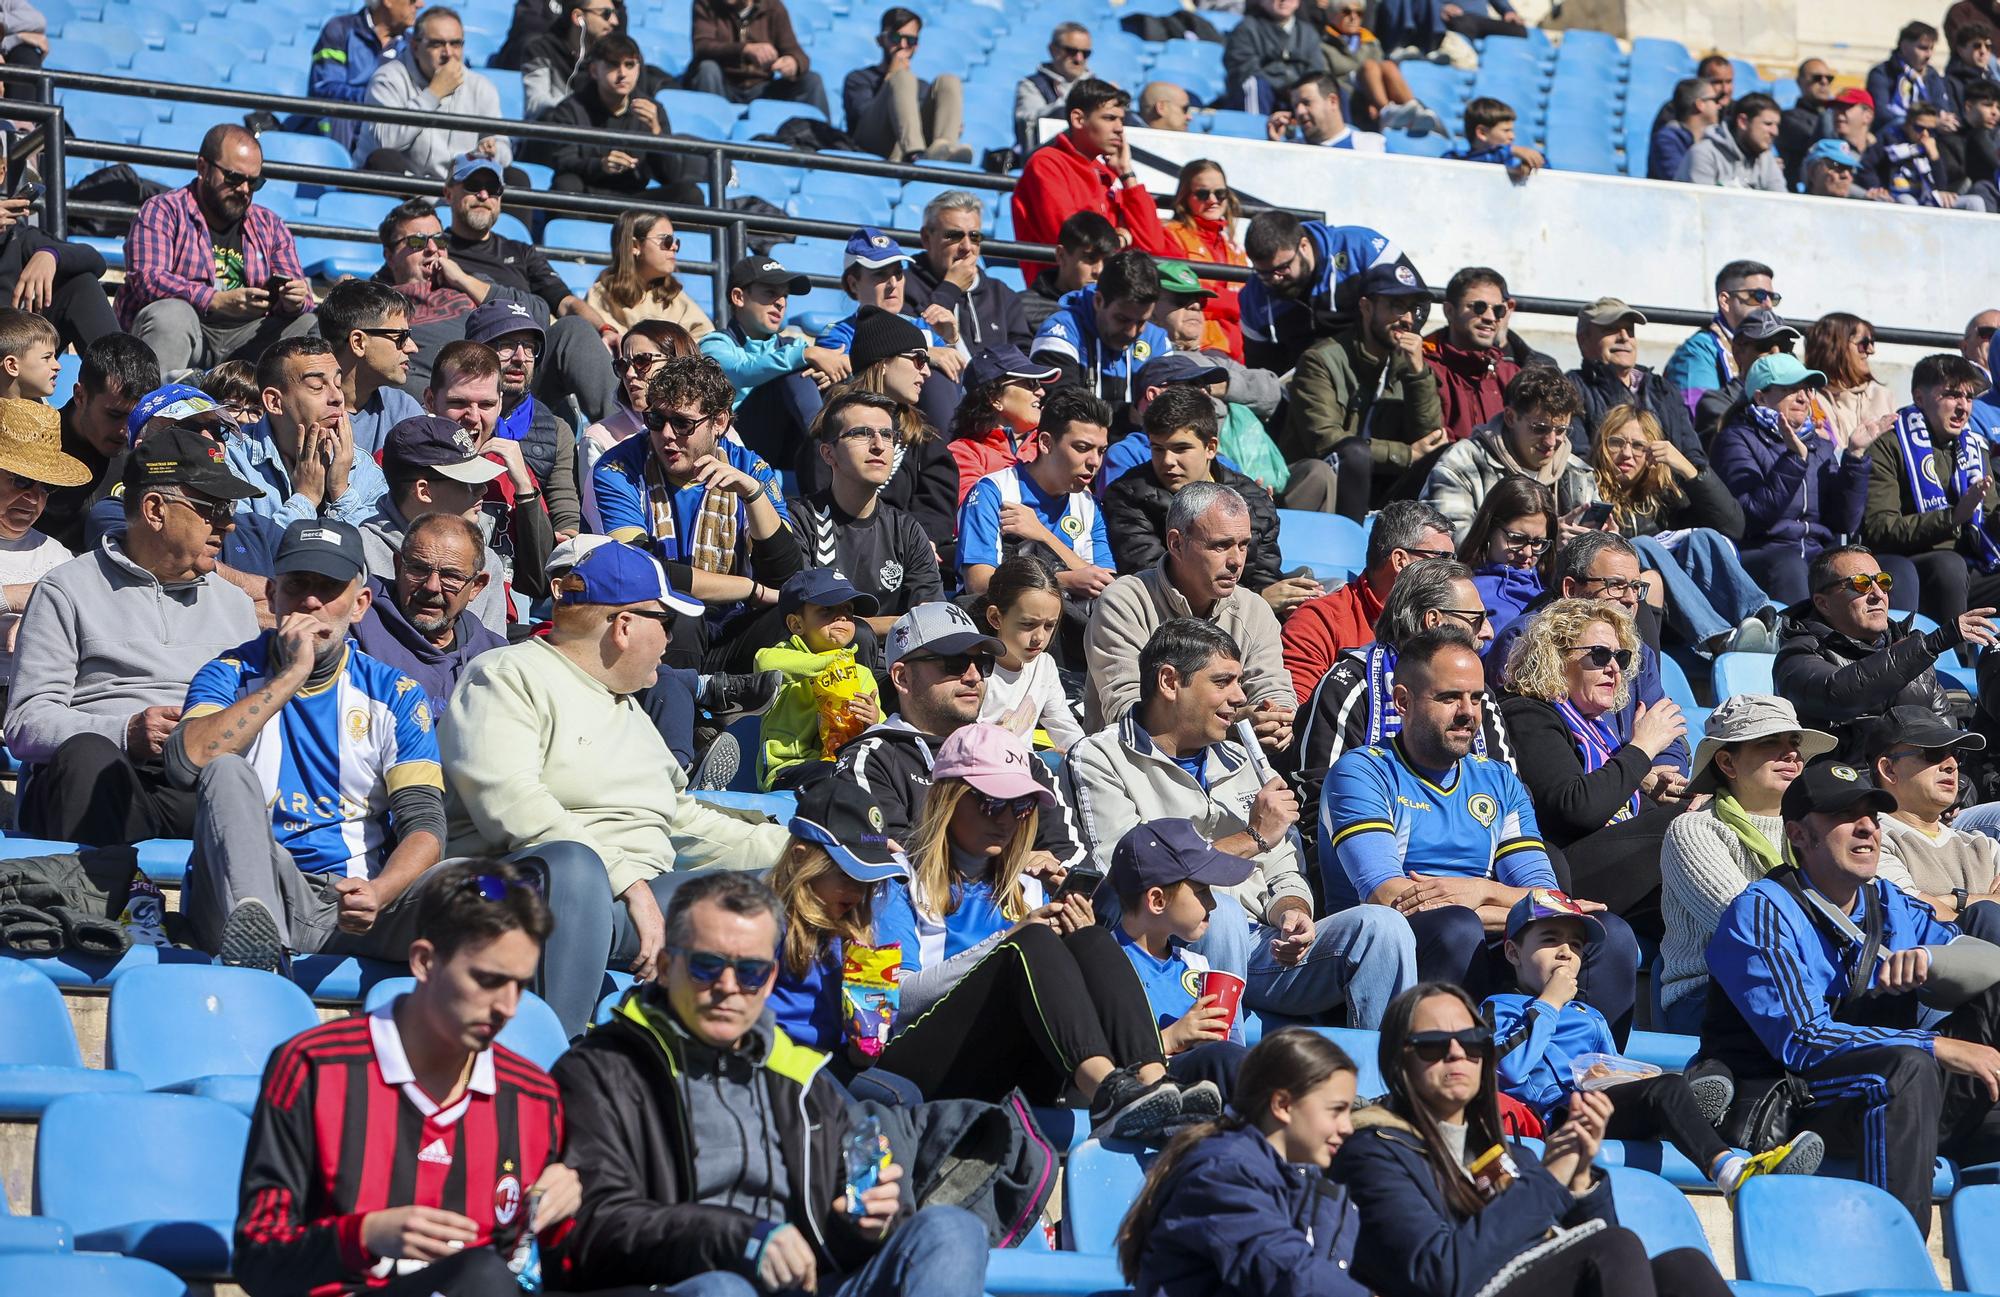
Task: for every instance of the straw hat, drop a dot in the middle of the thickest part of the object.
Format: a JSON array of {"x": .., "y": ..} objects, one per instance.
[{"x": 31, "y": 445}]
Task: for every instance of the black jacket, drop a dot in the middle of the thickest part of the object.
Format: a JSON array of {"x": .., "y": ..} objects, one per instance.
[
  {"x": 1040, "y": 301},
  {"x": 1804, "y": 124},
  {"x": 1603, "y": 391},
  {"x": 1569, "y": 803},
  {"x": 629, "y": 1137},
  {"x": 1705, "y": 502},
  {"x": 1838, "y": 683},
  {"x": 1135, "y": 518},
  {"x": 587, "y": 163},
  {"x": 988, "y": 316}
]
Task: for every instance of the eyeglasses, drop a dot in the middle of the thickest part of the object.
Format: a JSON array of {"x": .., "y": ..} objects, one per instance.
[
  {"x": 1016, "y": 808},
  {"x": 1073, "y": 51},
  {"x": 1599, "y": 657},
  {"x": 1618, "y": 586},
  {"x": 1210, "y": 195},
  {"x": 1761, "y": 296},
  {"x": 869, "y": 434},
  {"x": 418, "y": 242},
  {"x": 960, "y": 236},
  {"x": 956, "y": 664},
  {"x": 1434, "y": 1046},
  {"x": 216, "y": 513},
  {"x": 1427, "y": 553},
  {"x": 235, "y": 179},
  {"x": 1858, "y": 584},
  {"x": 641, "y": 364},
  {"x": 494, "y": 888},
  {"x": 1473, "y": 618},
  {"x": 1866, "y": 345},
  {"x": 15, "y": 482},
  {"x": 707, "y": 967},
  {"x": 396, "y": 337},
  {"x": 903, "y": 42},
  {"x": 1543, "y": 428},
  {"x": 682, "y": 426},
  {"x": 1277, "y": 270},
  {"x": 1481, "y": 309},
  {"x": 1521, "y": 540},
  {"x": 518, "y": 346},
  {"x": 449, "y": 581}
]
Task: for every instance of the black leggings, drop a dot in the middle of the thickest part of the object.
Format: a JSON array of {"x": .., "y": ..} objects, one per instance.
[
  {"x": 1619, "y": 866},
  {"x": 1661, "y": 1107},
  {"x": 480, "y": 1272},
  {"x": 1026, "y": 1016},
  {"x": 1612, "y": 1263}
]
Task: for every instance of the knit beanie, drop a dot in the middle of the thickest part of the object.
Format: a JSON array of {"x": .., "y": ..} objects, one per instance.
[{"x": 880, "y": 334}]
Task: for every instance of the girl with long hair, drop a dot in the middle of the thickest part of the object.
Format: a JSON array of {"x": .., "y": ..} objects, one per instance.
[
  {"x": 1451, "y": 1208},
  {"x": 640, "y": 283},
  {"x": 1510, "y": 547},
  {"x": 1239, "y": 1205},
  {"x": 1206, "y": 210},
  {"x": 1842, "y": 347}
]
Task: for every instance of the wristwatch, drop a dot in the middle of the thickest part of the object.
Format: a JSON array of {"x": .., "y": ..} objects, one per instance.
[{"x": 1958, "y": 895}]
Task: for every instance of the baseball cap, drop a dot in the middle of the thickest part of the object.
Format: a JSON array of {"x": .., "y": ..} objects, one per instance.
[
  {"x": 1780, "y": 370},
  {"x": 1178, "y": 278},
  {"x": 1180, "y": 367},
  {"x": 1607, "y": 311},
  {"x": 1547, "y": 903},
  {"x": 1391, "y": 279},
  {"x": 495, "y": 319},
  {"x": 471, "y": 164},
  {"x": 568, "y": 554},
  {"x": 823, "y": 587},
  {"x": 1855, "y": 95},
  {"x": 1918, "y": 727},
  {"x": 836, "y": 816},
  {"x": 1831, "y": 787},
  {"x": 1835, "y": 151},
  {"x": 993, "y": 759},
  {"x": 178, "y": 402},
  {"x": 180, "y": 456},
  {"x": 751, "y": 271},
  {"x": 616, "y": 575},
  {"x": 1006, "y": 361},
  {"x": 938, "y": 628},
  {"x": 1160, "y": 853},
  {"x": 1744, "y": 718},
  {"x": 435, "y": 445},
  {"x": 324, "y": 546},
  {"x": 872, "y": 249},
  {"x": 1763, "y": 325}
]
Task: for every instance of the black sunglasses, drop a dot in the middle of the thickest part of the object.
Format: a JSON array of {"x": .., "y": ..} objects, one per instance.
[
  {"x": 1600, "y": 657},
  {"x": 959, "y": 236},
  {"x": 1498, "y": 310},
  {"x": 660, "y": 420},
  {"x": 1006, "y": 807},
  {"x": 1210, "y": 195},
  {"x": 641, "y": 364},
  {"x": 706, "y": 967},
  {"x": 418, "y": 242},
  {"x": 659, "y": 615},
  {"x": 1985, "y": 332},
  {"x": 1434, "y": 1046},
  {"x": 395, "y": 336},
  {"x": 233, "y": 179},
  {"x": 956, "y": 664}
]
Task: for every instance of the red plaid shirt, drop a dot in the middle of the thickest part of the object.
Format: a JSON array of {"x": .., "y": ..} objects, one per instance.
[{"x": 168, "y": 253}]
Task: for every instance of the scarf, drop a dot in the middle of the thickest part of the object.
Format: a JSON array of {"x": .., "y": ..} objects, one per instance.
[
  {"x": 715, "y": 524},
  {"x": 1724, "y": 335},
  {"x": 1384, "y": 721},
  {"x": 514, "y": 426},
  {"x": 1595, "y": 743},
  {"x": 1731, "y": 813},
  {"x": 1921, "y": 472},
  {"x": 1549, "y": 474},
  {"x": 1909, "y": 87}
]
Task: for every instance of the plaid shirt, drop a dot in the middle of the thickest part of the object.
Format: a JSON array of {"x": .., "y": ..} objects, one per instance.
[{"x": 168, "y": 254}]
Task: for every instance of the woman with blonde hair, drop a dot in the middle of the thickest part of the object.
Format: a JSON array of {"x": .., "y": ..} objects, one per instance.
[
  {"x": 1568, "y": 675},
  {"x": 1206, "y": 210},
  {"x": 1684, "y": 523},
  {"x": 1842, "y": 347},
  {"x": 640, "y": 283}
]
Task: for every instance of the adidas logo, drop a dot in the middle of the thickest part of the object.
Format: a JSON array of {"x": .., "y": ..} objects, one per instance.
[{"x": 435, "y": 1151}]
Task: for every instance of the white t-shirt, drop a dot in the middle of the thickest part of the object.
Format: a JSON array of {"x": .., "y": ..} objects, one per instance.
[
  {"x": 21, "y": 562},
  {"x": 1038, "y": 692}
]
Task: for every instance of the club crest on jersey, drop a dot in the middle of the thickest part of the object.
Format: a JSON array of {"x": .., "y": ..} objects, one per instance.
[
  {"x": 1483, "y": 808},
  {"x": 1072, "y": 525},
  {"x": 891, "y": 575},
  {"x": 1142, "y": 350},
  {"x": 1191, "y": 981},
  {"x": 422, "y": 716},
  {"x": 357, "y": 724},
  {"x": 506, "y": 1200}
]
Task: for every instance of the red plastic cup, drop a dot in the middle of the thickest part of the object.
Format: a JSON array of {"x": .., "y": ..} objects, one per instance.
[{"x": 1227, "y": 988}]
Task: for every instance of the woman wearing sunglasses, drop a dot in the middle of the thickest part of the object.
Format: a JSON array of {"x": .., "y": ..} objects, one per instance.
[
  {"x": 1001, "y": 987},
  {"x": 1450, "y": 1208},
  {"x": 1842, "y": 347},
  {"x": 1510, "y": 546},
  {"x": 999, "y": 413},
  {"x": 640, "y": 283},
  {"x": 643, "y": 347},
  {"x": 1204, "y": 226},
  {"x": 1569, "y": 672}
]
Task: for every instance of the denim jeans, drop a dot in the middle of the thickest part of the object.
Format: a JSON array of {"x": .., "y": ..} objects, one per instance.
[
  {"x": 1361, "y": 957},
  {"x": 1708, "y": 592},
  {"x": 939, "y": 1252}
]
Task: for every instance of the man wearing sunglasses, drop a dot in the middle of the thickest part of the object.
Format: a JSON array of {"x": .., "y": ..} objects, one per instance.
[
  {"x": 1703, "y": 362},
  {"x": 894, "y": 113},
  {"x": 1473, "y": 355},
  {"x": 1921, "y": 762},
  {"x": 948, "y": 283},
  {"x": 546, "y": 441},
  {"x": 1761, "y": 334},
  {"x": 1610, "y": 375},
  {"x": 367, "y": 323},
  {"x": 1829, "y": 172},
  {"x": 1043, "y": 92},
  {"x": 209, "y": 274},
  {"x": 1807, "y": 121}
]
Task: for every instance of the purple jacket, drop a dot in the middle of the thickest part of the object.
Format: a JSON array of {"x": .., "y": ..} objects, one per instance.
[{"x": 1788, "y": 501}]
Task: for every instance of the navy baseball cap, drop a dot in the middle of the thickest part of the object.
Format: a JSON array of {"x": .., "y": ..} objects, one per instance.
[
  {"x": 498, "y": 319},
  {"x": 471, "y": 164},
  {"x": 1834, "y": 788},
  {"x": 181, "y": 456},
  {"x": 1006, "y": 361},
  {"x": 431, "y": 444},
  {"x": 618, "y": 574},
  {"x": 1160, "y": 853},
  {"x": 847, "y": 824},
  {"x": 323, "y": 546},
  {"x": 870, "y": 248},
  {"x": 1391, "y": 279},
  {"x": 1180, "y": 367},
  {"x": 823, "y": 587},
  {"x": 181, "y": 402},
  {"x": 1547, "y": 903}
]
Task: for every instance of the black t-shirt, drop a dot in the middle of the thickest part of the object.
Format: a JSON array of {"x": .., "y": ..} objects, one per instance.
[
  {"x": 63, "y": 517},
  {"x": 510, "y": 264},
  {"x": 230, "y": 269},
  {"x": 886, "y": 555}
]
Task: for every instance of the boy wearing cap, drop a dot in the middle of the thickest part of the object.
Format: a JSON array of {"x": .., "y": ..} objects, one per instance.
[
  {"x": 318, "y": 790},
  {"x": 824, "y": 685},
  {"x": 778, "y": 380},
  {"x": 1544, "y": 1038}
]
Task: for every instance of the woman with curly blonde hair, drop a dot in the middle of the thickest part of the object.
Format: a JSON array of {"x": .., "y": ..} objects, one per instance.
[{"x": 1568, "y": 674}]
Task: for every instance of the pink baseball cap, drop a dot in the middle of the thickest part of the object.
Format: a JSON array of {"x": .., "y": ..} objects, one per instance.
[{"x": 993, "y": 760}]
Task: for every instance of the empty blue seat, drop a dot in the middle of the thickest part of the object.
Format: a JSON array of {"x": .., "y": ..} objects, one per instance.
[
  {"x": 534, "y": 1034},
  {"x": 107, "y": 117},
  {"x": 1100, "y": 1183},
  {"x": 1743, "y": 673},
  {"x": 304, "y": 150},
  {"x": 203, "y": 1030},
  {"x": 1829, "y": 1236},
  {"x": 1234, "y": 124},
  {"x": 1970, "y": 1241},
  {"x": 690, "y": 112},
  {"x": 771, "y": 183},
  {"x": 1019, "y": 1272},
  {"x": 1417, "y": 146},
  {"x": 355, "y": 211},
  {"x": 84, "y": 43},
  {"x": 1664, "y": 1220},
  {"x": 151, "y": 1176},
  {"x": 513, "y": 98},
  {"x": 578, "y": 235},
  {"x": 843, "y": 209},
  {"x": 1666, "y": 55},
  {"x": 85, "y": 1276},
  {"x": 1330, "y": 544},
  {"x": 39, "y": 1060},
  {"x": 68, "y": 366},
  {"x": 281, "y": 78}
]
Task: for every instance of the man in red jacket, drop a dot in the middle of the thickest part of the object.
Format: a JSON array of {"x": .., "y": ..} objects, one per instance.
[
  {"x": 1320, "y": 630},
  {"x": 1088, "y": 168},
  {"x": 1468, "y": 355}
]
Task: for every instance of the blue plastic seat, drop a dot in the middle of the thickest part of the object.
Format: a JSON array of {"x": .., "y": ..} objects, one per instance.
[
  {"x": 1234, "y": 124},
  {"x": 32, "y": 1233},
  {"x": 1665, "y": 1222},
  {"x": 203, "y": 1030},
  {"x": 107, "y": 117},
  {"x": 1675, "y": 682},
  {"x": 1362, "y": 1045},
  {"x": 304, "y": 150},
  {"x": 578, "y": 236},
  {"x": 1100, "y": 1183},
  {"x": 151, "y": 1176},
  {"x": 1331, "y": 545},
  {"x": 1743, "y": 673},
  {"x": 1019, "y": 1272},
  {"x": 281, "y": 78},
  {"x": 1829, "y": 1236},
  {"x": 771, "y": 183},
  {"x": 513, "y": 97},
  {"x": 85, "y": 1276},
  {"x": 764, "y": 116},
  {"x": 534, "y": 1034},
  {"x": 690, "y": 112},
  {"x": 1417, "y": 146},
  {"x": 355, "y": 211},
  {"x": 84, "y": 44},
  {"x": 1970, "y": 1241},
  {"x": 39, "y": 1060}
]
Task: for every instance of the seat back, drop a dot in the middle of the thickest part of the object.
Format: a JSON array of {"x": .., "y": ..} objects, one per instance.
[
  {"x": 535, "y": 1034},
  {"x": 72, "y": 1275},
  {"x": 1099, "y": 1186},
  {"x": 1828, "y": 1235},
  {"x": 1325, "y": 541},
  {"x": 105, "y": 1160},
  {"x": 1970, "y": 1241},
  {"x": 176, "y": 1022},
  {"x": 34, "y": 1025},
  {"x": 1743, "y": 673},
  {"x": 1656, "y": 1211}
]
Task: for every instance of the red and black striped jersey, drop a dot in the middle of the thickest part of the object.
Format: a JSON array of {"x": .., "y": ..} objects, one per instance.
[{"x": 343, "y": 1129}]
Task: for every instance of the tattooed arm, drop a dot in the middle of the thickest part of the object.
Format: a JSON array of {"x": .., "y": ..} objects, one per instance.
[{"x": 230, "y": 731}]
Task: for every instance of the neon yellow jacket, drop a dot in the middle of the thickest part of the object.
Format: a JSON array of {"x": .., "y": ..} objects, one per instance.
[{"x": 791, "y": 727}]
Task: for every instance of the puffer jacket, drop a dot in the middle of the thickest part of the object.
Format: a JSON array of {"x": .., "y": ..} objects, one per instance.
[
  {"x": 1837, "y": 682},
  {"x": 1786, "y": 500}
]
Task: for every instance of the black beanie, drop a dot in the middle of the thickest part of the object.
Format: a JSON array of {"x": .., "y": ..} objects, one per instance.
[{"x": 880, "y": 334}]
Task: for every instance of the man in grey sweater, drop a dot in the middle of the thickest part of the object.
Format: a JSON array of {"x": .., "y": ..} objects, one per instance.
[
  {"x": 430, "y": 76},
  {"x": 109, "y": 643}
]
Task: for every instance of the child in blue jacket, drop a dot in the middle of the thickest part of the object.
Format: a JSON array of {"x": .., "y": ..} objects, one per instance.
[{"x": 1541, "y": 1032}]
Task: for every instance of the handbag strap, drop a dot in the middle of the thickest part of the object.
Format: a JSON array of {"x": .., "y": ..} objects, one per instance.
[{"x": 1840, "y": 928}]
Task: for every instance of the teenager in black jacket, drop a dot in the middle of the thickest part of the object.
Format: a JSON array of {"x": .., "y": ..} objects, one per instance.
[{"x": 611, "y": 101}]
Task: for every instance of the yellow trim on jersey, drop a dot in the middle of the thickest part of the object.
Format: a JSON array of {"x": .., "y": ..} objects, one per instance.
[
  {"x": 629, "y": 535},
  {"x": 1403, "y": 759},
  {"x": 1362, "y": 826},
  {"x": 1518, "y": 844},
  {"x": 200, "y": 710},
  {"x": 414, "y": 774}
]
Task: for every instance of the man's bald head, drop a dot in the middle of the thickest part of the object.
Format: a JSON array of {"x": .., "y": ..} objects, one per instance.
[
  {"x": 231, "y": 169},
  {"x": 226, "y": 138}
]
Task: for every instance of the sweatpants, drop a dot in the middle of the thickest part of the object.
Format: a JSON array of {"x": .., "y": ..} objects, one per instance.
[
  {"x": 1612, "y": 1263},
  {"x": 1027, "y": 1015},
  {"x": 1454, "y": 946},
  {"x": 1660, "y": 1107},
  {"x": 91, "y": 792}
]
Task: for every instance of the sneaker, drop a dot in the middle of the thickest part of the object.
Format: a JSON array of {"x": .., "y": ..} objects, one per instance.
[
  {"x": 1427, "y": 119},
  {"x": 727, "y": 696},
  {"x": 1713, "y": 1094},
  {"x": 1201, "y": 1101},
  {"x": 1127, "y": 1108},
  {"x": 250, "y": 938},
  {"x": 1398, "y": 117},
  {"x": 939, "y": 151},
  {"x": 1800, "y": 1156},
  {"x": 718, "y": 766},
  {"x": 1754, "y": 636}
]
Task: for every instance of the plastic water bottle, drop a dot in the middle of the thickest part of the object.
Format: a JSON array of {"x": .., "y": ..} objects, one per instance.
[{"x": 144, "y": 919}]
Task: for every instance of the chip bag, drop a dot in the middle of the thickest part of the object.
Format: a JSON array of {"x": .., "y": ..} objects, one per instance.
[
  {"x": 869, "y": 995},
  {"x": 834, "y": 690}
]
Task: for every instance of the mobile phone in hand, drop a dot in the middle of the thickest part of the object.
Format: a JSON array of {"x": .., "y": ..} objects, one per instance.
[
  {"x": 276, "y": 284},
  {"x": 1079, "y": 882},
  {"x": 1595, "y": 516}
]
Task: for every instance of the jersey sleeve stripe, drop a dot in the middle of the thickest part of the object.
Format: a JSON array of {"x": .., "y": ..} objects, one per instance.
[
  {"x": 1363, "y": 826},
  {"x": 199, "y": 710},
  {"x": 414, "y": 774},
  {"x": 1519, "y": 844}
]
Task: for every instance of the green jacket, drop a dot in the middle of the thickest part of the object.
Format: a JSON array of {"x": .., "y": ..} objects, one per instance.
[
  {"x": 791, "y": 727},
  {"x": 1334, "y": 399}
]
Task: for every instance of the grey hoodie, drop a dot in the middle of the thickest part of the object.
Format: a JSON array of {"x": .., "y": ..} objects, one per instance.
[
  {"x": 397, "y": 84},
  {"x": 1717, "y": 160},
  {"x": 102, "y": 639},
  {"x": 382, "y": 537}
]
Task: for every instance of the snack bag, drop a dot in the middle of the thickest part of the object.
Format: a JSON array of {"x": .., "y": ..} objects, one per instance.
[
  {"x": 869, "y": 995},
  {"x": 1602, "y": 1071},
  {"x": 833, "y": 690}
]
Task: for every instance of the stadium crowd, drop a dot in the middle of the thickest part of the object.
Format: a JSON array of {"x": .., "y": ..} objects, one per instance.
[{"x": 433, "y": 608}]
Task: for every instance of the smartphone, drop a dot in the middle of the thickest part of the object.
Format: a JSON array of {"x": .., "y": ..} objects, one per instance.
[
  {"x": 276, "y": 284},
  {"x": 32, "y": 192},
  {"x": 1595, "y": 516},
  {"x": 1080, "y": 882}
]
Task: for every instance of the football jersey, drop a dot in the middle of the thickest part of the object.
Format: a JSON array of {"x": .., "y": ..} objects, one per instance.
[
  {"x": 1386, "y": 819},
  {"x": 1073, "y": 516},
  {"x": 1172, "y": 984},
  {"x": 331, "y": 756},
  {"x": 929, "y": 939}
]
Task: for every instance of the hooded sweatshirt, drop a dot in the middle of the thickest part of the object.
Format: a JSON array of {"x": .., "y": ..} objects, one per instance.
[
  {"x": 386, "y": 635},
  {"x": 1069, "y": 340},
  {"x": 989, "y": 313},
  {"x": 1718, "y": 160},
  {"x": 790, "y": 733},
  {"x": 430, "y": 149}
]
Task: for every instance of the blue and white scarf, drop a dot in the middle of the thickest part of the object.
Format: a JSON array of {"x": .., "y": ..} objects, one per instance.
[
  {"x": 1384, "y": 721},
  {"x": 1726, "y": 336},
  {"x": 1921, "y": 471},
  {"x": 1596, "y": 742}
]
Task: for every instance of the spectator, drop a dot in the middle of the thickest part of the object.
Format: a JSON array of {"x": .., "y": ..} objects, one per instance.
[
  {"x": 777, "y": 380},
  {"x": 1489, "y": 135},
  {"x": 28, "y": 365},
  {"x": 612, "y": 98},
  {"x": 175, "y": 404},
  {"x": 546, "y": 441},
  {"x": 345, "y": 56},
  {"x": 1378, "y": 98},
  {"x": 612, "y": 827},
  {"x": 117, "y": 371},
  {"x": 1907, "y": 164},
  {"x": 669, "y": 1211},
  {"x": 1719, "y": 70},
  {"x": 1807, "y": 121},
  {"x": 1842, "y": 347},
  {"x": 1739, "y": 152},
  {"x": 210, "y": 275},
  {"x": 1100, "y": 336},
  {"x": 33, "y": 461},
  {"x": 433, "y": 465},
  {"x": 367, "y": 323},
  {"x": 1300, "y": 292},
  {"x": 948, "y": 287},
  {"x": 1688, "y": 117},
  {"x": 1419, "y": 26},
  {"x": 1045, "y": 91},
  {"x": 1760, "y": 334},
  {"x": 1914, "y": 757},
  {"x": 1310, "y": 112},
  {"x": 1083, "y": 244},
  {"x": 1980, "y": 136},
  {"x": 1172, "y": 758},
  {"x": 1786, "y": 995},
  {"x": 873, "y": 277},
  {"x": 60, "y": 281},
  {"x": 419, "y": 621},
  {"x": 252, "y": 745},
  {"x": 1206, "y": 210},
  {"x": 1319, "y": 631},
  {"x": 440, "y": 292},
  {"x": 1029, "y": 503},
  {"x": 1829, "y": 171},
  {"x": 644, "y": 345},
  {"x": 1508, "y": 548},
  {"x": 999, "y": 414},
  {"x": 1164, "y": 106},
  {"x": 1971, "y": 61},
  {"x": 893, "y": 112},
  {"x": 1173, "y": 369},
  {"x": 305, "y": 1218},
  {"x": 1532, "y": 440},
  {"x": 552, "y": 62},
  {"x": 748, "y": 51},
  {"x": 1178, "y": 311},
  {"x": 90, "y": 708},
  {"x": 1906, "y": 78},
  {"x": 805, "y": 728},
  {"x": 640, "y": 284},
  {"x": 1468, "y": 355},
  {"x": 1966, "y": 12},
  {"x": 1843, "y": 660},
  {"x": 1854, "y": 119},
  {"x": 1267, "y": 53},
  {"x": 1087, "y": 168},
  {"x": 1976, "y": 342},
  {"x": 1607, "y": 335},
  {"x": 1208, "y": 536},
  {"x": 430, "y": 76},
  {"x": 1931, "y": 493},
  {"x": 1023, "y": 606},
  {"x": 1365, "y": 401}
]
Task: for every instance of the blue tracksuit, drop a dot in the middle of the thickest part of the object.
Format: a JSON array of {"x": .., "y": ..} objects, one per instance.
[
  {"x": 344, "y": 57},
  {"x": 1535, "y": 1069},
  {"x": 1277, "y": 329},
  {"x": 1069, "y": 340}
]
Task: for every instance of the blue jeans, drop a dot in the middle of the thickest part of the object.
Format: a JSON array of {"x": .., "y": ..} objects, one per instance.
[
  {"x": 1708, "y": 592},
  {"x": 1361, "y": 957},
  {"x": 939, "y": 1252}
]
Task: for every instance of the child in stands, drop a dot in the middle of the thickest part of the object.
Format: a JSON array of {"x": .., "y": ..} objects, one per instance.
[
  {"x": 28, "y": 366},
  {"x": 1023, "y": 604},
  {"x": 1489, "y": 134},
  {"x": 827, "y": 697}
]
